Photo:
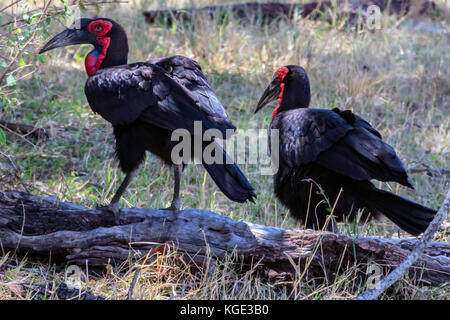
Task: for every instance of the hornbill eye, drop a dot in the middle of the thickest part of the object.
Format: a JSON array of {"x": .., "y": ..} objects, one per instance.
[{"x": 98, "y": 28}]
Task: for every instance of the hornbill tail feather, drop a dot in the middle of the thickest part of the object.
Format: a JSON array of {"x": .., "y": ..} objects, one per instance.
[
  {"x": 230, "y": 180},
  {"x": 410, "y": 216}
]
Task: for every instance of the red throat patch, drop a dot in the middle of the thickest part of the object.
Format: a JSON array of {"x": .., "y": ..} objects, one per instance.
[
  {"x": 280, "y": 98},
  {"x": 95, "y": 58},
  {"x": 281, "y": 74}
]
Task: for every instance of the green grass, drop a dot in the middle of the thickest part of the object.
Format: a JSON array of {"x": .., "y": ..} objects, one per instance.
[{"x": 395, "y": 78}]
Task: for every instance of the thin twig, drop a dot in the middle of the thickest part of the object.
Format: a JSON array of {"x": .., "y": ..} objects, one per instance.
[
  {"x": 10, "y": 5},
  {"x": 16, "y": 170},
  {"x": 18, "y": 135},
  {"x": 432, "y": 171},
  {"x": 183, "y": 288},
  {"x": 21, "y": 50},
  {"x": 398, "y": 272},
  {"x": 56, "y": 12},
  {"x": 24, "y": 129},
  {"x": 133, "y": 283}
]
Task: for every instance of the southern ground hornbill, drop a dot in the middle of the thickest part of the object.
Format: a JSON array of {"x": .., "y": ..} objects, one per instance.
[
  {"x": 146, "y": 101},
  {"x": 327, "y": 159}
]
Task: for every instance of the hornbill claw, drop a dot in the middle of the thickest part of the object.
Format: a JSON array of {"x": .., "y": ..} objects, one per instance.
[
  {"x": 112, "y": 207},
  {"x": 173, "y": 207}
]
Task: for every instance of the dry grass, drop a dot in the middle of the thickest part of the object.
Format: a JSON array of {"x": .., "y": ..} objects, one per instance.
[{"x": 396, "y": 78}]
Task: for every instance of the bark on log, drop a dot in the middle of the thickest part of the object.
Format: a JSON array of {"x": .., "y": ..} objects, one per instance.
[
  {"x": 271, "y": 11},
  {"x": 44, "y": 225}
]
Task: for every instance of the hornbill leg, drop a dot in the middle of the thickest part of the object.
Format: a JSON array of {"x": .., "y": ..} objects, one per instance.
[
  {"x": 317, "y": 222},
  {"x": 175, "y": 205},
  {"x": 113, "y": 206}
]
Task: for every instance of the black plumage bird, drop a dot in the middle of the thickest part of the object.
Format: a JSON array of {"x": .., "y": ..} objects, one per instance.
[
  {"x": 328, "y": 157},
  {"x": 146, "y": 101}
]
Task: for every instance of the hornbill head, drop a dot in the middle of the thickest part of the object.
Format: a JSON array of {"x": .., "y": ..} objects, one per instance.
[
  {"x": 290, "y": 85},
  {"x": 108, "y": 38}
]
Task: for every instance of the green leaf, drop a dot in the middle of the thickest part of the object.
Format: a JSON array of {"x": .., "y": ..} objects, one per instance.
[
  {"x": 41, "y": 58},
  {"x": 2, "y": 137},
  {"x": 21, "y": 62},
  {"x": 44, "y": 28},
  {"x": 26, "y": 18},
  {"x": 35, "y": 16},
  {"x": 10, "y": 80}
]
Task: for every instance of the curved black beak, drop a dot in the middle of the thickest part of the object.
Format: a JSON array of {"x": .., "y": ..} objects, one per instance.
[
  {"x": 70, "y": 37},
  {"x": 271, "y": 93}
]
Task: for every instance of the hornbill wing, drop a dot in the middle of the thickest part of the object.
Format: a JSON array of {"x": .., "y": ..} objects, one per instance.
[
  {"x": 189, "y": 74},
  {"x": 344, "y": 143},
  {"x": 306, "y": 133},
  {"x": 360, "y": 122},
  {"x": 356, "y": 120},
  {"x": 123, "y": 94},
  {"x": 362, "y": 155}
]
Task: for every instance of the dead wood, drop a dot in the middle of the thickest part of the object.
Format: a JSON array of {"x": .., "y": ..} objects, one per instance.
[
  {"x": 25, "y": 129},
  {"x": 268, "y": 12},
  {"x": 77, "y": 235}
]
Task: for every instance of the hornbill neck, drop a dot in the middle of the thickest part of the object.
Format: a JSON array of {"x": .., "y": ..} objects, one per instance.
[
  {"x": 117, "y": 53},
  {"x": 294, "y": 94},
  {"x": 111, "y": 50}
]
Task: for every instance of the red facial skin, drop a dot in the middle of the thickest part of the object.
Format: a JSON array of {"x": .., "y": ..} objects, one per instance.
[
  {"x": 281, "y": 73},
  {"x": 93, "y": 61}
]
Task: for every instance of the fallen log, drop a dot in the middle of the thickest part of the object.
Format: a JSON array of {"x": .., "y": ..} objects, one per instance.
[
  {"x": 45, "y": 226},
  {"x": 268, "y": 12},
  {"x": 25, "y": 129}
]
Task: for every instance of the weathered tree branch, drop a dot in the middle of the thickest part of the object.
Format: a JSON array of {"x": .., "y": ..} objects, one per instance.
[
  {"x": 25, "y": 129},
  {"x": 416, "y": 253},
  {"x": 431, "y": 171},
  {"x": 43, "y": 225},
  {"x": 273, "y": 10}
]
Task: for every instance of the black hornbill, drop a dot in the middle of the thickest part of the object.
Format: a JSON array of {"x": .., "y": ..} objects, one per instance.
[
  {"x": 328, "y": 157},
  {"x": 146, "y": 101}
]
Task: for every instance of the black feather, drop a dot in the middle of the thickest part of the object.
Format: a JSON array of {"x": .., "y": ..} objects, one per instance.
[{"x": 230, "y": 179}]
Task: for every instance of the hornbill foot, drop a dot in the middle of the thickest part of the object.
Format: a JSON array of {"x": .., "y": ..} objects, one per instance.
[
  {"x": 112, "y": 207},
  {"x": 173, "y": 207}
]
